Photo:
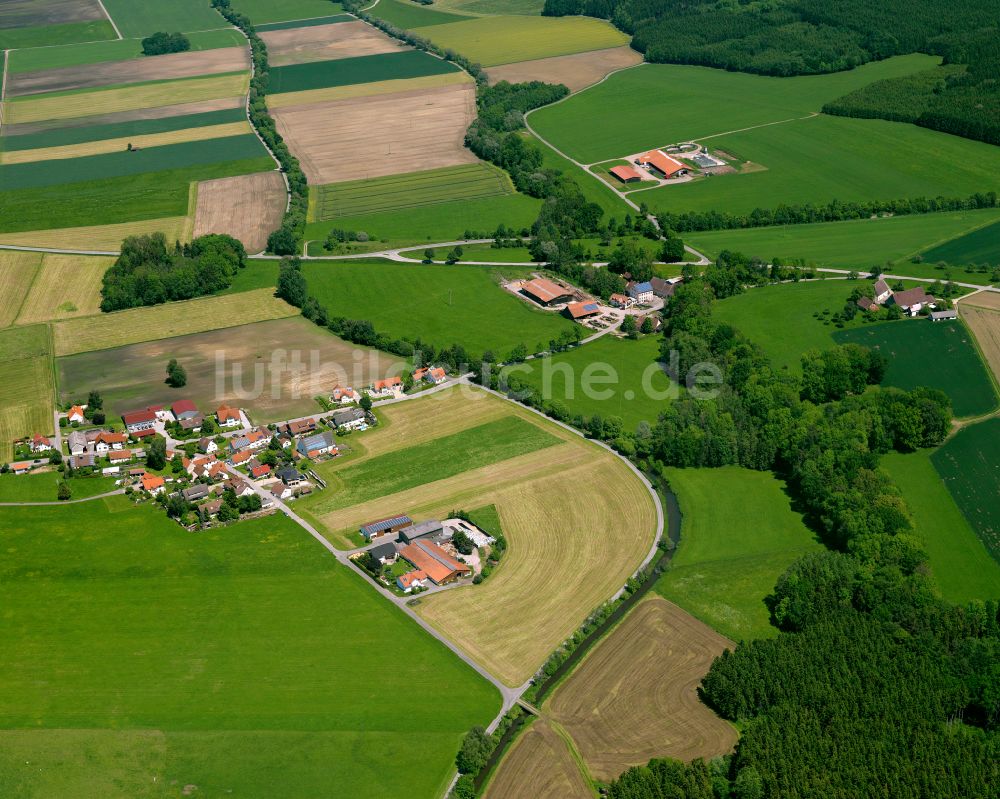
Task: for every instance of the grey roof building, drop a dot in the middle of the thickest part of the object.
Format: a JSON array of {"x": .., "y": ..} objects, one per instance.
[
  {"x": 348, "y": 417},
  {"x": 384, "y": 553},
  {"x": 195, "y": 492},
  {"x": 427, "y": 529}
]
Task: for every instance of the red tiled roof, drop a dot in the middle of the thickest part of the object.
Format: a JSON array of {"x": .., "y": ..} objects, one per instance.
[
  {"x": 120, "y": 455},
  {"x": 135, "y": 417},
  {"x": 111, "y": 438},
  {"x": 149, "y": 431},
  {"x": 578, "y": 310},
  {"x": 260, "y": 470},
  {"x": 76, "y": 410},
  {"x": 543, "y": 290},
  {"x": 430, "y": 558},
  {"x": 389, "y": 382},
  {"x": 625, "y": 173},
  {"x": 225, "y": 413},
  {"x": 408, "y": 579},
  {"x": 183, "y": 406},
  {"x": 667, "y": 165},
  {"x": 151, "y": 481}
]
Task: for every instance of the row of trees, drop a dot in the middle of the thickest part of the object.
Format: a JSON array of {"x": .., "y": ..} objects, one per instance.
[
  {"x": 286, "y": 239},
  {"x": 148, "y": 272}
]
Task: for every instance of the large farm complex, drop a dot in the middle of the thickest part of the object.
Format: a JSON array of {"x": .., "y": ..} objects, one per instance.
[{"x": 521, "y": 399}]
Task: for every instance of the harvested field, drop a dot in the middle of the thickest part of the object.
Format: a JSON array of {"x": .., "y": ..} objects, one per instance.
[
  {"x": 635, "y": 696},
  {"x": 129, "y": 98},
  {"x": 27, "y": 393},
  {"x": 464, "y": 182},
  {"x": 131, "y": 376},
  {"x": 17, "y": 271},
  {"x": 575, "y": 71},
  {"x": 136, "y": 70},
  {"x": 101, "y": 238},
  {"x": 984, "y": 322},
  {"x": 118, "y": 118},
  {"x": 290, "y": 99},
  {"x": 163, "y": 321},
  {"x": 539, "y": 764},
  {"x": 32, "y": 13},
  {"x": 983, "y": 299},
  {"x": 418, "y": 130},
  {"x": 64, "y": 287},
  {"x": 104, "y": 146},
  {"x": 326, "y": 43},
  {"x": 247, "y": 207}
]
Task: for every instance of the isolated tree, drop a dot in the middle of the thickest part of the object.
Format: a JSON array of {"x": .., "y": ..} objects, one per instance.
[
  {"x": 428, "y": 256},
  {"x": 176, "y": 374},
  {"x": 365, "y": 403},
  {"x": 64, "y": 492},
  {"x": 156, "y": 455},
  {"x": 95, "y": 401},
  {"x": 647, "y": 325}
]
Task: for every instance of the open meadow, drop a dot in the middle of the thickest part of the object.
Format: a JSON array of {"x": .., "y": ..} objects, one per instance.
[
  {"x": 968, "y": 464},
  {"x": 622, "y": 377},
  {"x": 938, "y": 355},
  {"x": 981, "y": 312},
  {"x": 143, "y": 19},
  {"x": 732, "y": 552},
  {"x": 635, "y": 695},
  {"x": 41, "y": 23},
  {"x": 539, "y": 764},
  {"x": 64, "y": 286},
  {"x": 235, "y": 673},
  {"x": 961, "y": 565},
  {"x": 43, "y": 486},
  {"x": 977, "y": 247},
  {"x": 440, "y": 305},
  {"x": 569, "y": 505},
  {"x": 17, "y": 273},
  {"x": 275, "y": 369},
  {"x": 101, "y": 238},
  {"x": 136, "y": 325},
  {"x": 27, "y": 394}
]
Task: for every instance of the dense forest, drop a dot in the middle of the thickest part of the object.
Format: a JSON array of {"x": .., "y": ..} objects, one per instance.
[
  {"x": 874, "y": 686},
  {"x": 804, "y": 37},
  {"x": 148, "y": 272}
]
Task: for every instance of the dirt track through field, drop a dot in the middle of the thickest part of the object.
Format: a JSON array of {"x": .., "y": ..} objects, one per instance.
[
  {"x": 540, "y": 765},
  {"x": 136, "y": 70},
  {"x": 574, "y": 71},
  {"x": 377, "y": 136},
  {"x": 635, "y": 696},
  {"x": 248, "y": 207},
  {"x": 326, "y": 43}
]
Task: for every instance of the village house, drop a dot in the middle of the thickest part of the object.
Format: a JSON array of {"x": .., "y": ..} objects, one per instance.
[
  {"x": 411, "y": 580},
  {"x": 196, "y": 492},
  {"x": 290, "y": 476},
  {"x": 208, "y": 446},
  {"x": 77, "y": 443},
  {"x": 434, "y": 375},
  {"x": 210, "y": 510},
  {"x": 75, "y": 414},
  {"x": 440, "y": 567},
  {"x": 316, "y": 445},
  {"x": 344, "y": 395},
  {"x": 152, "y": 483},
  {"x": 84, "y": 460},
  {"x": 254, "y": 440},
  {"x": 184, "y": 409},
  {"x": 105, "y": 442},
  {"x": 192, "y": 424},
  {"x": 389, "y": 387},
  {"x": 582, "y": 310},
  {"x": 384, "y": 553},
  {"x": 241, "y": 457},
  {"x": 21, "y": 467},
  {"x": 239, "y": 487},
  {"x": 882, "y": 292},
  {"x": 120, "y": 456},
  {"x": 39, "y": 443},
  {"x": 279, "y": 490},
  {"x": 140, "y": 423},
  {"x": 654, "y": 319},
  {"x": 664, "y": 289},
  {"x": 622, "y": 301},
  {"x": 912, "y": 301},
  {"x": 349, "y": 419},
  {"x": 392, "y": 524},
  {"x": 642, "y": 293},
  {"x": 298, "y": 427},
  {"x": 259, "y": 470},
  {"x": 228, "y": 417}
]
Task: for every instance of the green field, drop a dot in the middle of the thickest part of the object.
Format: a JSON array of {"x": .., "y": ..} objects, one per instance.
[
  {"x": 979, "y": 246},
  {"x": 596, "y": 191},
  {"x": 43, "y": 487},
  {"x": 39, "y": 174},
  {"x": 362, "y": 69},
  {"x": 27, "y": 392},
  {"x": 940, "y": 355},
  {"x": 441, "y": 305},
  {"x": 151, "y": 195},
  {"x": 968, "y": 465},
  {"x": 659, "y": 104},
  {"x": 732, "y": 552},
  {"x": 447, "y": 221},
  {"x": 142, "y": 19},
  {"x": 962, "y": 567},
  {"x": 780, "y": 318},
  {"x": 494, "y": 7},
  {"x": 446, "y": 456},
  {"x": 464, "y": 182},
  {"x": 265, "y": 11},
  {"x": 305, "y": 23},
  {"x": 857, "y": 244},
  {"x": 622, "y": 377},
  {"x": 501, "y": 40},
  {"x": 406, "y": 14},
  {"x": 58, "y": 137},
  {"x": 51, "y": 35},
  {"x": 804, "y": 162},
  {"x": 73, "y": 55},
  {"x": 140, "y": 659}
]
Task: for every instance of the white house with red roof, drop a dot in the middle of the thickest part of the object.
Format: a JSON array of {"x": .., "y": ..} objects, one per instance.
[
  {"x": 389, "y": 387},
  {"x": 75, "y": 414}
]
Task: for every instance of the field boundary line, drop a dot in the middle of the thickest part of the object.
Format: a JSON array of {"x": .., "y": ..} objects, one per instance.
[
  {"x": 983, "y": 359},
  {"x": 810, "y": 115},
  {"x": 114, "y": 25},
  {"x": 115, "y": 493},
  {"x": 939, "y": 242},
  {"x": 3, "y": 86}
]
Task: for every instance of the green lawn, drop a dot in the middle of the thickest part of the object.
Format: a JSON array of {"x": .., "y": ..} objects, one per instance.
[
  {"x": 487, "y": 519},
  {"x": 858, "y": 244},
  {"x": 939, "y": 355},
  {"x": 51, "y": 35},
  {"x": 42, "y": 487},
  {"x": 658, "y": 104},
  {"x": 738, "y": 536},
  {"x": 151, "y": 195},
  {"x": 406, "y": 14},
  {"x": 264, "y": 11},
  {"x": 441, "y": 305},
  {"x": 73, "y": 55},
  {"x": 962, "y": 567},
  {"x": 140, "y": 658},
  {"x": 968, "y": 464},
  {"x": 446, "y": 221},
  {"x": 414, "y": 466},
  {"x": 361, "y": 69},
  {"x": 979, "y": 246},
  {"x": 142, "y": 19},
  {"x": 608, "y": 377},
  {"x": 464, "y": 182},
  {"x": 57, "y": 137},
  {"x": 501, "y": 40},
  {"x": 255, "y": 275},
  {"x": 825, "y": 158},
  {"x": 41, "y": 174}
]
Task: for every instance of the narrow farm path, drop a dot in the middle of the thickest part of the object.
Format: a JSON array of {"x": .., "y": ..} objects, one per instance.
[
  {"x": 111, "y": 19},
  {"x": 120, "y": 491}
]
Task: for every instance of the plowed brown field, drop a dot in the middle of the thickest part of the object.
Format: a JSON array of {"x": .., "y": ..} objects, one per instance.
[
  {"x": 539, "y": 765},
  {"x": 326, "y": 43},
  {"x": 247, "y": 207},
  {"x": 576, "y": 71}
]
